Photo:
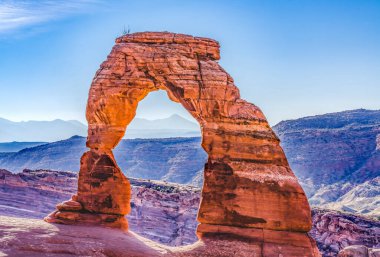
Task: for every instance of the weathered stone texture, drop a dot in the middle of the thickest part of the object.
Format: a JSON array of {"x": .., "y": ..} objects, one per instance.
[{"x": 247, "y": 180}]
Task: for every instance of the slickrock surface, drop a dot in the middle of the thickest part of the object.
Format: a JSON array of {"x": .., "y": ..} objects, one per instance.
[
  {"x": 247, "y": 180},
  {"x": 30, "y": 237}
]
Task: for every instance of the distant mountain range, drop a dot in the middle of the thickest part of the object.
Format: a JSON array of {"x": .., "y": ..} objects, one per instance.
[
  {"x": 173, "y": 126},
  {"x": 17, "y": 146},
  {"x": 51, "y": 131},
  {"x": 178, "y": 160},
  {"x": 336, "y": 158},
  {"x": 45, "y": 131}
]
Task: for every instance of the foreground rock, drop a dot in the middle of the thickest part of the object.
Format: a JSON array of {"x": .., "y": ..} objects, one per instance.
[
  {"x": 32, "y": 238},
  {"x": 359, "y": 251},
  {"x": 172, "y": 206}
]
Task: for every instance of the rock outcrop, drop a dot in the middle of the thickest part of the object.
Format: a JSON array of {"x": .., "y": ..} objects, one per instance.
[
  {"x": 336, "y": 157},
  {"x": 32, "y": 194},
  {"x": 359, "y": 251},
  {"x": 335, "y": 231},
  {"x": 249, "y": 189},
  {"x": 173, "y": 206}
]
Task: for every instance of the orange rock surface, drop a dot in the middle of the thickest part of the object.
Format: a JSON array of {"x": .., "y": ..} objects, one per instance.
[{"x": 247, "y": 180}]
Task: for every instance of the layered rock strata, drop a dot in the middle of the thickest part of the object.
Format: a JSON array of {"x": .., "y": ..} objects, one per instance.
[
  {"x": 32, "y": 194},
  {"x": 248, "y": 183},
  {"x": 336, "y": 231},
  {"x": 336, "y": 156},
  {"x": 359, "y": 251}
]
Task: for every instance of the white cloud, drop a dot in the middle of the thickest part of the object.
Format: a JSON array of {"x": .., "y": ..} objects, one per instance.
[{"x": 16, "y": 14}]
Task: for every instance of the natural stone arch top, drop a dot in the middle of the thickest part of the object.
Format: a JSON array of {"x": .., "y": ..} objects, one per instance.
[
  {"x": 247, "y": 180},
  {"x": 184, "y": 66}
]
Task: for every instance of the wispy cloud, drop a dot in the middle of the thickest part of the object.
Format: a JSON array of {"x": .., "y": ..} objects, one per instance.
[{"x": 16, "y": 15}]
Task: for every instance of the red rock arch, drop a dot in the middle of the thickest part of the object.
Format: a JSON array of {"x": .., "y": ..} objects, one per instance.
[{"x": 247, "y": 180}]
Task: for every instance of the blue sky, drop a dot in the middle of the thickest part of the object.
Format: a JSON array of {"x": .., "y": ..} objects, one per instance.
[{"x": 291, "y": 58}]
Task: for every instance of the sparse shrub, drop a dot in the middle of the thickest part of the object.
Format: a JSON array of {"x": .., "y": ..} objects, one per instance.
[{"x": 126, "y": 31}]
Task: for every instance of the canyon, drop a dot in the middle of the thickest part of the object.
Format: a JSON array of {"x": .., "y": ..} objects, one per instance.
[
  {"x": 32, "y": 194},
  {"x": 336, "y": 158},
  {"x": 181, "y": 160}
]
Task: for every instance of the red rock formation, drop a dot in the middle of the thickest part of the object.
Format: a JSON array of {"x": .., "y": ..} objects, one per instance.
[
  {"x": 31, "y": 194},
  {"x": 248, "y": 184}
]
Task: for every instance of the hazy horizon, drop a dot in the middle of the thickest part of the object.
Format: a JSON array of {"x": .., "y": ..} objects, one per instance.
[{"x": 185, "y": 116}]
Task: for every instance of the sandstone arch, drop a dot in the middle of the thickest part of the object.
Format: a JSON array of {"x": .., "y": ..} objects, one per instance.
[{"x": 249, "y": 187}]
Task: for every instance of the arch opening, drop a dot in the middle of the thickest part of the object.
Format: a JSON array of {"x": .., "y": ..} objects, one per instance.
[
  {"x": 171, "y": 158},
  {"x": 159, "y": 117},
  {"x": 161, "y": 147}
]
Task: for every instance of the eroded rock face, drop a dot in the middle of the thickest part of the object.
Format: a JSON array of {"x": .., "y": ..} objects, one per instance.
[
  {"x": 337, "y": 159},
  {"x": 32, "y": 194},
  {"x": 247, "y": 179},
  {"x": 173, "y": 206},
  {"x": 336, "y": 231},
  {"x": 359, "y": 251}
]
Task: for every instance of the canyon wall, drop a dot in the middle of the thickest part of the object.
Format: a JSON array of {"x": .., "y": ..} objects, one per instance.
[{"x": 336, "y": 157}]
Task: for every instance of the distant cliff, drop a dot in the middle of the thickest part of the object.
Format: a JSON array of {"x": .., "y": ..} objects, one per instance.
[
  {"x": 179, "y": 160},
  {"x": 336, "y": 157},
  {"x": 34, "y": 194},
  {"x": 46, "y": 131}
]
